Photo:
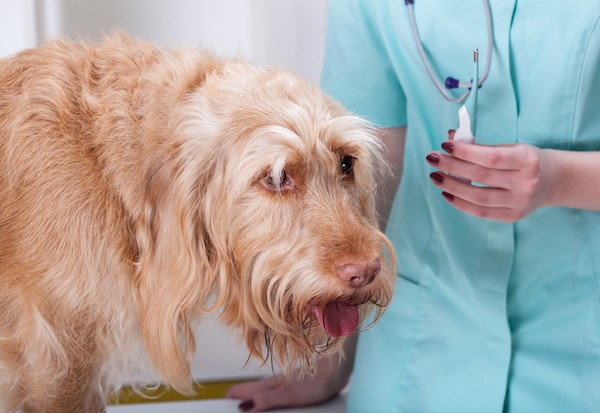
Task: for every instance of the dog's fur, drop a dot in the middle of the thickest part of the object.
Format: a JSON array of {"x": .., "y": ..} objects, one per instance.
[{"x": 141, "y": 187}]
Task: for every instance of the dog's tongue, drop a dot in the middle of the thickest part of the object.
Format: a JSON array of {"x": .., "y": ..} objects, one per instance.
[{"x": 337, "y": 319}]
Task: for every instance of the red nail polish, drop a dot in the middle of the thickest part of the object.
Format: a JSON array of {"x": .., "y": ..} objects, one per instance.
[
  {"x": 448, "y": 196},
  {"x": 437, "y": 177},
  {"x": 246, "y": 405},
  {"x": 433, "y": 158},
  {"x": 448, "y": 147}
]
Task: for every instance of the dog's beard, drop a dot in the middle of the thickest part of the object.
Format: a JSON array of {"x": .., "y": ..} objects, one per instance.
[{"x": 295, "y": 313}]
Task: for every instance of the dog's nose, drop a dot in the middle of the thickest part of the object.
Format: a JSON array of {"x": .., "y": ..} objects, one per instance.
[{"x": 358, "y": 274}]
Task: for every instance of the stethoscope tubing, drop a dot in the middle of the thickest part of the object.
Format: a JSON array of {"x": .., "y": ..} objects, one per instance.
[{"x": 434, "y": 78}]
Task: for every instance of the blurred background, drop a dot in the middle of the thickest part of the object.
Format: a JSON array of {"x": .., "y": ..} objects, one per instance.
[{"x": 284, "y": 33}]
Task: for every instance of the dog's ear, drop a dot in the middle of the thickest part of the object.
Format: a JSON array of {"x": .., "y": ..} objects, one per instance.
[{"x": 174, "y": 276}]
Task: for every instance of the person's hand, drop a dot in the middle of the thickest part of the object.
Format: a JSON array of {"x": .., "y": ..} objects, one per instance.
[
  {"x": 517, "y": 179},
  {"x": 276, "y": 392}
]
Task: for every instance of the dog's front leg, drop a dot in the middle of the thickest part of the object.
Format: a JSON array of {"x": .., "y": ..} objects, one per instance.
[
  {"x": 70, "y": 396},
  {"x": 65, "y": 379}
]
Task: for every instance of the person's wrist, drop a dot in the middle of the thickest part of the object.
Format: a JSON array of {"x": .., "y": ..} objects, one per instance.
[
  {"x": 337, "y": 374},
  {"x": 554, "y": 186}
]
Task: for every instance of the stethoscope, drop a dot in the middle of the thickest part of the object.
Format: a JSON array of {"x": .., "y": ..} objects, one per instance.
[{"x": 466, "y": 130}]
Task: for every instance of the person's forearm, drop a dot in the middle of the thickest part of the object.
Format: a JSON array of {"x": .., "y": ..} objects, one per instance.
[
  {"x": 393, "y": 140},
  {"x": 576, "y": 179},
  {"x": 333, "y": 372}
]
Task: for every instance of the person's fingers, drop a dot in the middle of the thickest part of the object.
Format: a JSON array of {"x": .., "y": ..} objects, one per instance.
[
  {"x": 276, "y": 392},
  {"x": 509, "y": 157},
  {"x": 289, "y": 395},
  {"x": 247, "y": 390},
  {"x": 277, "y": 398},
  {"x": 284, "y": 395},
  {"x": 483, "y": 196},
  {"x": 270, "y": 393},
  {"x": 496, "y": 214},
  {"x": 474, "y": 172}
]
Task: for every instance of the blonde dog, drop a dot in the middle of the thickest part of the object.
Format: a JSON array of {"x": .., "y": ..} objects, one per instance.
[{"x": 141, "y": 187}]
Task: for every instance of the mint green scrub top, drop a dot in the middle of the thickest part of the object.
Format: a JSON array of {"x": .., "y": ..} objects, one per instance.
[{"x": 487, "y": 316}]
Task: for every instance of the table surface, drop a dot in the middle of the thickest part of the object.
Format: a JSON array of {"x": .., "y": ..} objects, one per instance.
[{"x": 336, "y": 405}]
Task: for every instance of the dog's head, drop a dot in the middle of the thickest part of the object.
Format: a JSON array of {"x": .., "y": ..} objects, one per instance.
[{"x": 260, "y": 202}]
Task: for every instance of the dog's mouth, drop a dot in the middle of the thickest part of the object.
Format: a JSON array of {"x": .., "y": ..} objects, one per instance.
[{"x": 338, "y": 318}]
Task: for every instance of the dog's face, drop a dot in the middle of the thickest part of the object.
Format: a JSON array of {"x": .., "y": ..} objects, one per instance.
[{"x": 266, "y": 200}]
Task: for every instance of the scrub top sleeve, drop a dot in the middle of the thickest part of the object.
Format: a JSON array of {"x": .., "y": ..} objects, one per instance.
[{"x": 357, "y": 70}]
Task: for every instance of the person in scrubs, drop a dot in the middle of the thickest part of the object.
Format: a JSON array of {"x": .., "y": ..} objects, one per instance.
[{"x": 497, "y": 299}]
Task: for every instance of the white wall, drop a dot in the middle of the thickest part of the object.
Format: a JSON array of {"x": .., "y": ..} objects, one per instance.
[
  {"x": 285, "y": 33},
  {"x": 17, "y": 26}
]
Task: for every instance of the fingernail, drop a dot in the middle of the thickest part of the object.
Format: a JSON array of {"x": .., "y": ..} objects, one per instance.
[
  {"x": 437, "y": 177},
  {"x": 448, "y": 196},
  {"x": 433, "y": 158},
  {"x": 451, "y": 133},
  {"x": 246, "y": 405},
  {"x": 448, "y": 147}
]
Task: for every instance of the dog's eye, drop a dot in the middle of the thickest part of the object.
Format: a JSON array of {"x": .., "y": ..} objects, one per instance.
[
  {"x": 346, "y": 165},
  {"x": 285, "y": 182}
]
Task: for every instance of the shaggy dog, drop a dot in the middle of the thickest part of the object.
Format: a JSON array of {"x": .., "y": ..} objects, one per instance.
[{"x": 142, "y": 187}]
